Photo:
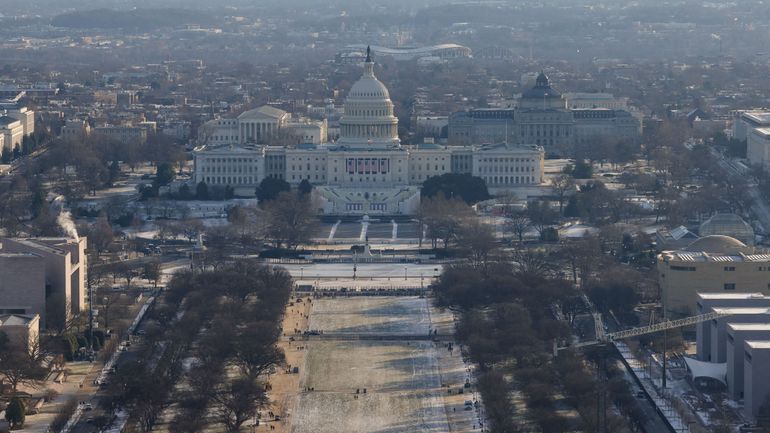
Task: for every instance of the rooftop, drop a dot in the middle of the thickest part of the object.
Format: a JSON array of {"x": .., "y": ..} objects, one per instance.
[
  {"x": 741, "y": 311},
  {"x": 418, "y": 50},
  {"x": 16, "y": 319},
  {"x": 764, "y": 132},
  {"x": 749, "y": 326},
  {"x": 715, "y": 244},
  {"x": 264, "y": 111},
  {"x": 736, "y": 295},
  {"x": 758, "y": 344},
  {"x": 7, "y": 120},
  {"x": 758, "y": 117}
]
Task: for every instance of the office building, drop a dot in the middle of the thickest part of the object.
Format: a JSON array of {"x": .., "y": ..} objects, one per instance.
[
  {"x": 711, "y": 264},
  {"x": 22, "y": 330},
  {"x": 706, "y": 302},
  {"x": 43, "y": 276},
  {"x": 737, "y": 335}
]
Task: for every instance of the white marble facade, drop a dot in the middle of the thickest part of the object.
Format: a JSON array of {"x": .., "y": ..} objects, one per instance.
[{"x": 368, "y": 170}]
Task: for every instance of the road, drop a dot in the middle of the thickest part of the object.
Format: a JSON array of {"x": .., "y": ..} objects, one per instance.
[
  {"x": 380, "y": 270},
  {"x": 652, "y": 421},
  {"x": 130, "y": 356},
  {"x": 84, "y": 424}
]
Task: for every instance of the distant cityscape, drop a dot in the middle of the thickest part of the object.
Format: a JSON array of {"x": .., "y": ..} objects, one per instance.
[{"x": 354, "y": 217}]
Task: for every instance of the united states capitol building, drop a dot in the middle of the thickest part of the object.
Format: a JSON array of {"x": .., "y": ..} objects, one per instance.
[{"x": 367, "y": 171}]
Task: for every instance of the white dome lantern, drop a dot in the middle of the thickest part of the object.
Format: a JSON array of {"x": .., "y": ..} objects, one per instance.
[{"x": 368, "y": 113}]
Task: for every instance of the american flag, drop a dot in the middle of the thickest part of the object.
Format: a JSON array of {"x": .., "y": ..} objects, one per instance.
[{"x": 351, "y": 165}]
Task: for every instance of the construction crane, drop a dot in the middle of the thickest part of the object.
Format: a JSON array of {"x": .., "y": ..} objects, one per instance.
[{"x": 608, "y": 337}]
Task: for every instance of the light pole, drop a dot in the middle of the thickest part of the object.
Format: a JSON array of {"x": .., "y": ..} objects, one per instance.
[
  {"x": 421, "y": 280},
  {"x": 301, "y": 272},
  {"x": 405, "y": 268},
  {"x": 90, "y": 317}
]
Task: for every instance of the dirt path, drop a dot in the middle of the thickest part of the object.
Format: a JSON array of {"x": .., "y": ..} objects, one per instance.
[{"x": 285, "y": 383}]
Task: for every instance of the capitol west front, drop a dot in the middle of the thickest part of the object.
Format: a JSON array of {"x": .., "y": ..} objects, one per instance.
[{"x": 367, "y": 170}]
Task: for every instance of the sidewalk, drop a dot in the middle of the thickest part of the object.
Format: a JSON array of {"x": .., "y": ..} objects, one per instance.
[{"x": 80, "y": 373}]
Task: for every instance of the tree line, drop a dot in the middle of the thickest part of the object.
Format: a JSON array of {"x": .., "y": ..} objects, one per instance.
[{"x": 228, "y": 320}]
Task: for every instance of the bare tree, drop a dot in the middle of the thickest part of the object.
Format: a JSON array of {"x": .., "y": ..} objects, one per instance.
[
  {"x": 152, "y": 272},
  {"x": 100, "y": 235},
  {"x": 20, "y": 365},
  {"x": 254, "y": 351},
  {"x": 519, "y": 223},
  {"x": 532, "y": 263},
  {"x": 290, "y": 219},
  {"x": 478, "y": 241},
  {"x": 238, "y": 401},
  {"x": 562, "y": 185},
  {"x": 541, "y": 215},
  {"x": 443, "y": 218}
]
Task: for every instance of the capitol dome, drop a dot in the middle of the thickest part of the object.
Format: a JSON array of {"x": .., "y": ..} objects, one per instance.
[
  {"x": 368, "y": 87},
  {"x": 368, "y": 120}
]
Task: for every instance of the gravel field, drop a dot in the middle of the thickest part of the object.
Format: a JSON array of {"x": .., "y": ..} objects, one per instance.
[
  {"x": 404, "y": 392},
  {"x": 387, "y": 316},
  {"x": 406, "y": 382}
]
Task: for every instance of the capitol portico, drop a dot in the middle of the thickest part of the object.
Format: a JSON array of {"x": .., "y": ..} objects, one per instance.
[{"x": 368, "y": 170}]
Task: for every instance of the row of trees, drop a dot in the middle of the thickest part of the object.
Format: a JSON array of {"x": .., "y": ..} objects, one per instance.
[
  {"x": 506, "y": 325},
  {"x": 230, "y": 323},
  {"x": 470, "y": 189},
  {"x": 506, "y": 300}
]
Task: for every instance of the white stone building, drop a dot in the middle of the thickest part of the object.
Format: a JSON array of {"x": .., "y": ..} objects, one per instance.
[
  {"x": 75, "y": 128},
  {"x": 124, "y": 134},
  {"x": 262, "y": 125},
  {"x": 504, "y": 166},
  {"x": 745, "y": 121},
  {"x": 543, "y": 117},
  {"x": 12, "y": 131},
  {"x": 586, "y": 100},
  {"x": 25, "y": 116},
  {"x": 366, "y": 171},
  {"x": 241, "y": 167},
  {"x": 758, "y": 147}
]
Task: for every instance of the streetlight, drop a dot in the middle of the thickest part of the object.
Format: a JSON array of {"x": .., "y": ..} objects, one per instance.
[
  {"x": 405, "y": 268},
  {"x": 301, "y": 272},
  {"x": 421, "y": 287}
]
